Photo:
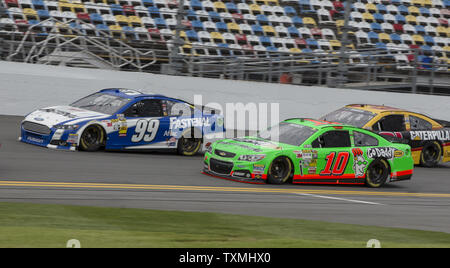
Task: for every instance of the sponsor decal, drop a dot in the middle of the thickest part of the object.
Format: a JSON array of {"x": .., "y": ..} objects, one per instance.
[
  {"x": 312, "y": 170},
  {"x": 171, "y": 142},
  {"x": 298, "y": 154},
  {"x": 398, "y": 154},
  {"x": 35, "y": 139},
  {"x": 39, "y": 119},
  {"x": 441, "y": 135},
  {"x": 385, "y": 152},
  {"x": 258, "y": 169},
  {"x": 73, "y": 138},
  {"x": 359, "y": 162},
  {"x": 176, "y": 123}
]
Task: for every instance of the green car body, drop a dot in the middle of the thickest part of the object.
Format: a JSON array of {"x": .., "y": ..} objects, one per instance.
[{"x": 310, "y": 152}]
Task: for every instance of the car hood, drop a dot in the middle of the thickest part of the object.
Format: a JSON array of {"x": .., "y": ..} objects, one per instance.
[
  {"x": 55, "y": 115},
  {"x": 249, "y": 145}
]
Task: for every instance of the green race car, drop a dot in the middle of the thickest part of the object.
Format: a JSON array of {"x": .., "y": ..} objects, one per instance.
[{"x": 309, "y": 151}]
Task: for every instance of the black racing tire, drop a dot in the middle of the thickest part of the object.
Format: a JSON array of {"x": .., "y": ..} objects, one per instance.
[
  {"x": 279, "y": 171},
  {"x": 92, "y": 138},
  {"x": 189, "y": 147},
  {"x": 431, "y": 154},
  {"x": 377, "y": 173}
]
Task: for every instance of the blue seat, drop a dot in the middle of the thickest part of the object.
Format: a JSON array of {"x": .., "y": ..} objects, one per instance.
[
  {"x": 400, "y": 19},
  {"x": 43, "y": 14},
  {"x": 396, "y": 38},
  {"x": 214, "y": 16},
  {"x": 221, "y": 26},
  {"x": 262, "y": 19},
  {"x": 102, "y": 27},
  {"x": 293, "y": 31},
  {"x": 196, "y": 4},
  {"x": 191, "y": 15},
  {"x": 297, "y": 21},
  {"x": 116, "y": 9},
  {"x": 290, "y": 11},
  {"x": 257, "y": 29},
  {"x": 376, "y": 27},
  {"x": 38, "y": 4},
  {"x": 378, "y": 17},
  {"x": 192, "y": 35},
  {"x": 381, "y": 8},
  {"x": 446, "y": 3},
  {"x": 420, "y": 29},
  {"x": 271, "y": 49},
  {"x": 265, "y": 40},
  {"x": 403, "y": 9},
  {"x": 197, "y": 24},
  {"x": 232, "y": 8},
  {"x": 154, "y": 11},
  {"x": 307, "y": 50},
  {"x": 95, "y": 17},
  {"x": 312, "y": 43},
  {"x": 372, "y": 35},
  {"x": 160, "y": 22},
  {"x": 380, "y": 45},
  {"x": 429, "y": 40},
  {"x": 424, "y": 11},
  {"x": 75, "y": 25}
]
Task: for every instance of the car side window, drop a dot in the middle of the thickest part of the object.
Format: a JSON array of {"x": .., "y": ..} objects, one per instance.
[
  {"x": 333, "y": 139},
  {"x": 394, "y": 122},
  {"x": 362, "y": 140},
  {"x": 145, "y": 108},
  {"x": 419, "y": 123}
]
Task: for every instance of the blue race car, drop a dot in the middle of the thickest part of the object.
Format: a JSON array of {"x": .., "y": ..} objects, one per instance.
[{"x": 122, "y": 119}]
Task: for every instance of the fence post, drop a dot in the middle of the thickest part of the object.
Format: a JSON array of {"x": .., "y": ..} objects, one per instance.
[{"x": 414, "y": 73}]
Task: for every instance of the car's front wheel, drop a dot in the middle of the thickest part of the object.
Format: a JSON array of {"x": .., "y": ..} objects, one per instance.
[
  {"x": 377, "y": 173},
  {"x": 279, "y": 170},
  {"x": 431, "y": 154},
  {"x": 189, "y": 147},
  {"x": 92, "y": 138}
]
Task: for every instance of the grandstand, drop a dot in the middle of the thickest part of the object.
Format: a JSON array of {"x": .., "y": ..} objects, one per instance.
[{"x": 390, "y": 43}]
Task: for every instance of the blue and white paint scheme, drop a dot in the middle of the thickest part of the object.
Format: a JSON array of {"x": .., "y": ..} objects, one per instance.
[{"x": 130, "y": 119}]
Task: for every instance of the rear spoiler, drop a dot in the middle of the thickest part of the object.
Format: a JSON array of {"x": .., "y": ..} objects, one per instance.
[{"x": 443, "y": 123}]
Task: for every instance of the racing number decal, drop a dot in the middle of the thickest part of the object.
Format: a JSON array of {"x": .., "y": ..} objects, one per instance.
[
  {"x": 145, "y": 130},
  {"x": 339, "y": 165}
]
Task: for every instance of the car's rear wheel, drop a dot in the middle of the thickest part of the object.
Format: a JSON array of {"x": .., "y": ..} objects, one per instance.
[
  {"x": 92, "y": 138},
  {"x": 431, "y": 154},
  {"x": 377, "y": 173},
  {"x": 189, "y": 147},
  {"x": 279, "y": 171}
]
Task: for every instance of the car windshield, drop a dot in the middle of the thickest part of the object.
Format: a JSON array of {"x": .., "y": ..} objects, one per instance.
[
  {"x": 101, "y": 102},
  {"x": 348, "y": 116},
  {"x": 288, "y": 133}
]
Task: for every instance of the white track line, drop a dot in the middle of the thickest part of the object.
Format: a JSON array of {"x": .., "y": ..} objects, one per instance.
[{"x": 337, "y": 198}]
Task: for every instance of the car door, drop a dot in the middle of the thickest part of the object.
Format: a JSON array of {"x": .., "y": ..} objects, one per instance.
[
  {"x": 146, "y": 125},
  {"x": 333, "y": 155}
]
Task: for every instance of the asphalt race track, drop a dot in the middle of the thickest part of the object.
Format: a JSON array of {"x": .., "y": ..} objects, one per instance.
[{"x": 167, "y": 181}]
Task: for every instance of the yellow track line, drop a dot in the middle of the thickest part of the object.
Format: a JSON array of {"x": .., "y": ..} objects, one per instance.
[{"x": 212, "y": 189}]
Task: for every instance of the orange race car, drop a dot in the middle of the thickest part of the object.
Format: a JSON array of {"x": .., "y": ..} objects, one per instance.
[{"x": 429, "y": 138}]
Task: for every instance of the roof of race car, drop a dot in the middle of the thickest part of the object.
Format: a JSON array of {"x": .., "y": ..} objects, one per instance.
[
  {"x": 129, "y": 93},
  {"x": 376, "y": 109},
  {"x": 314, "y": 123}
]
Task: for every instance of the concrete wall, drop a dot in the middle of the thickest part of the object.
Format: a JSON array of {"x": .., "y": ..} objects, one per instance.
[{"x": 25, "y": 87}]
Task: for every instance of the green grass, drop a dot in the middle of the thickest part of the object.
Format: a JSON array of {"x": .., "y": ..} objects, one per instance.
[{"x": 33, "y": 225}]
